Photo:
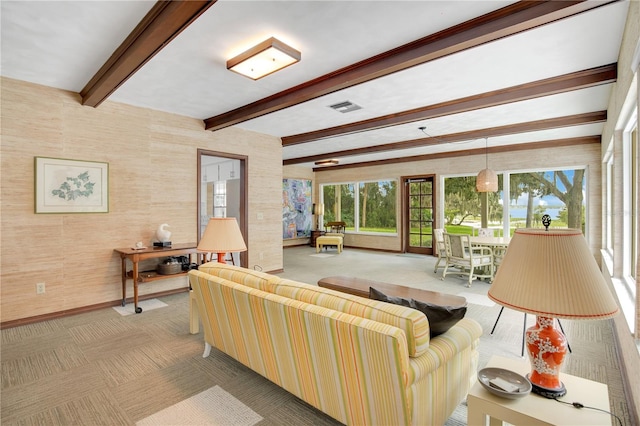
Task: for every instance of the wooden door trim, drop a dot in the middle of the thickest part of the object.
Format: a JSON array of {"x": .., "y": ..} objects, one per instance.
[
  {"x": 244, "y": 196},
  {"x": 405, "y": 239}
]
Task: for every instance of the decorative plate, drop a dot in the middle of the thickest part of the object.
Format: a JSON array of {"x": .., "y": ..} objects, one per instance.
[{"x": 514, "y": 386}]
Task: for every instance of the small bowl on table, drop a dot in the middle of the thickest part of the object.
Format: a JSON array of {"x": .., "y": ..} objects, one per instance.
[{"x": 520, "y": 385}]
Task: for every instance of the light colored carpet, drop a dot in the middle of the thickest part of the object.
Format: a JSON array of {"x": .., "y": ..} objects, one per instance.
[
  {"x": 146, "y": 305},
  {"x": 214, "y": 407},
  {"x": 321, "y": 255},
  {"x": 102, "y": 368},
  {"x": 477, "y": 299}
]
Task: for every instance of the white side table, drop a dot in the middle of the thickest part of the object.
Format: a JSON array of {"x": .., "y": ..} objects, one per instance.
[{"x": 534, "y": 409}]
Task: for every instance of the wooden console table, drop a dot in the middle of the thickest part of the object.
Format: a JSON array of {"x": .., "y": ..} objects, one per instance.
[{"x": 138, "y": 277}]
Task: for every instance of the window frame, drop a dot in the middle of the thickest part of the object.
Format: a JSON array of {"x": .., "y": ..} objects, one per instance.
[
  {"x": 506, "y": 193},
  {"x": 629, "y": 203},
  {"x": 356, "y": 207}
]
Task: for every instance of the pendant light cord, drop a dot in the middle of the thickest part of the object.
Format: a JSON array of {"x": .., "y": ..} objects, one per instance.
[{"x": 486, "y": 152}]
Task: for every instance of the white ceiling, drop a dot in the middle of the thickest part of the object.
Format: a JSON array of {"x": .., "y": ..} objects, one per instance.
[{"x": 64, "y": 44}]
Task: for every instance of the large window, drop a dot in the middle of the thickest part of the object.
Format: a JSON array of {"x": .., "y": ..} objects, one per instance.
[
  {"x": 621, "y": 200},
  {"x": 530, "y": 194},
  {"x": 558, "y": 193},
  {"x": 609, "y": 217},
  {"x": 633, "y": 177},
  {"x": 462, "y": 205},
  {"x": 373, "y": 210}
]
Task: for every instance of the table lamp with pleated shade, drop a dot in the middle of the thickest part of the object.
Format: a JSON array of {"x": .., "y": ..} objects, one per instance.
[
  {"x": 222, "y": 236},
  {"x": 552, "y": 274}
]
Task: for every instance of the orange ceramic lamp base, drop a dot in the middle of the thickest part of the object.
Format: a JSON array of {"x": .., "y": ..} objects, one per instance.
[
  {"x": 221, "y": 257},
  {"x": 547, "y": 347}
]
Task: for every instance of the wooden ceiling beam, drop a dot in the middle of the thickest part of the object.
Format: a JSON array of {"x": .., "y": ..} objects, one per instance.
[
  {"x": 162, "y": 23},
  {"x": 510, "y": 129},
  {"x": 546, "y": 87},
  {"x": 512, "y": 19},
  {"x": 583, "y": 140}
]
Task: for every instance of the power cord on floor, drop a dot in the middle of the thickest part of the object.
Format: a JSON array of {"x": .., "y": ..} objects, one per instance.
[{"x": 580, "y": 406}]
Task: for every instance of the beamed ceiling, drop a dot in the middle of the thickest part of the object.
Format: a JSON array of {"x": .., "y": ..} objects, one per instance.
[{"x": 433, "y": 78}]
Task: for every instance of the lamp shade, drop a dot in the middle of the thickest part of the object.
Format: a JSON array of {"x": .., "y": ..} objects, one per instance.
[
  {"x": 222, "y": 235},
  {"x": 554, "y": 274},
  {"x": 487, "y": 181}
]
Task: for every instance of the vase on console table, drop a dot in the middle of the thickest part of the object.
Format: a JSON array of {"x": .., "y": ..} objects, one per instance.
[{"x": 163, "y": 236}]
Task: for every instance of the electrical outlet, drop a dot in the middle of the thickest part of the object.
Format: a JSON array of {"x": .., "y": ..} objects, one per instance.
[
  {"x": 39, "y": 288},
  {"x": 261, "y": 256}
]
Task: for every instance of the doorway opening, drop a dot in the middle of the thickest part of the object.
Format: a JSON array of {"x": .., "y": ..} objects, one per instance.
[
  {"x": 222, "y": 192},
  {"x": 418, "y": 215}
]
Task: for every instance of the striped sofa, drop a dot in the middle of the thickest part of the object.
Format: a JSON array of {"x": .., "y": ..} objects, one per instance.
[{"x": 362, "y": 362}]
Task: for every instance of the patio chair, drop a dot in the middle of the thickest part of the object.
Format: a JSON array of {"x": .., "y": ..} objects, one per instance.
[
  {"x": 472, "y": 261},
  {"x": 498, "y": 255},
  {"x": 438, "y": 237},
  {"x": 334, "y": 229},
  {"x": 486, "y": 232}
]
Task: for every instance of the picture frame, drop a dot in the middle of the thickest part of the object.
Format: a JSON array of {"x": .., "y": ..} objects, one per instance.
[
  {"x": 71, "y": 186},
  {"x": 296, "y": 208}
]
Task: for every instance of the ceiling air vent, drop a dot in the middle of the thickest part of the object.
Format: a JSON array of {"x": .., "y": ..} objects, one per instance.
[{"x": 345, "y": 106}]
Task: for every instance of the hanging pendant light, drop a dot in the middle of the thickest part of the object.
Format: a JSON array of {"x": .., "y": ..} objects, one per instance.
[{"x": 487, "y": 179}]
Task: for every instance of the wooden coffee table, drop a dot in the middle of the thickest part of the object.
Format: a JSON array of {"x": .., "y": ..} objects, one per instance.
[{"x": 360, "y": 287}]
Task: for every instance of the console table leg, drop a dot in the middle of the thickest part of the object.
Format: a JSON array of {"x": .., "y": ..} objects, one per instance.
[
  {"x": 135, "y": 288},
  {"x": 124, "y": 280}
]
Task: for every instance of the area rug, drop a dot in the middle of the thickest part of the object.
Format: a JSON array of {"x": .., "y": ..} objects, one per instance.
[
  {"x": 477, "y": 299},
  {"x": 322, "y": 255},
  {"x": 146, "y": 305},
  {"x": 214, "y": 406}
]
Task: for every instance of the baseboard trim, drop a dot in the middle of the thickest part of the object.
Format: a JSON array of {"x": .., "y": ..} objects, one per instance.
[{"x": 83, "y": 309}]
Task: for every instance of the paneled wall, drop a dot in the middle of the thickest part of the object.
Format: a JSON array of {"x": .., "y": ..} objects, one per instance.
[{"x": 152, "y": 180}]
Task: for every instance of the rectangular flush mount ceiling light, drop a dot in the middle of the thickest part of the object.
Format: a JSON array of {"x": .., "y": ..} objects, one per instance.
[{"x": 267, "y": 57}]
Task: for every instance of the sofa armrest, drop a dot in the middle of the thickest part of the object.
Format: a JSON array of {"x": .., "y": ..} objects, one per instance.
[
  {"x": 443, "y": 376},
  {"x": 464, "y": 335}
]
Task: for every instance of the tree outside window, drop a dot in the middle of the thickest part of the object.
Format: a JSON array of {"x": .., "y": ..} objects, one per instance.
[
  {"x": 558, "y": 193},
  {"x": 339, "y": 203},
  {"x": 377, "y": 206},
  {"x": 373, "y": 210}
]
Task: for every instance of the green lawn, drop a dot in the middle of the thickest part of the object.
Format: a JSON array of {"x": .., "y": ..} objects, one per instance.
[{"x": 458, "y": 229}]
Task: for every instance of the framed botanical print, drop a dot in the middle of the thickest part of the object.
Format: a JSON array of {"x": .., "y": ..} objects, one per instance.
[{"x": 71, "y": 186}]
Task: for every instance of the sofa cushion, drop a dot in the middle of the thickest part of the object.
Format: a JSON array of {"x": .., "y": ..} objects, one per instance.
[
  {"x": 249, "y": 277},
  {"x": 294, "y": 344},
  {"x": 441, "y": 318},
  {"x": 413, "y": 323}
]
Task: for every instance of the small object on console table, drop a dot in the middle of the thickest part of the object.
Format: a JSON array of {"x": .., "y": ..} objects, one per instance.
[{"x": 163, "y": 236}]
